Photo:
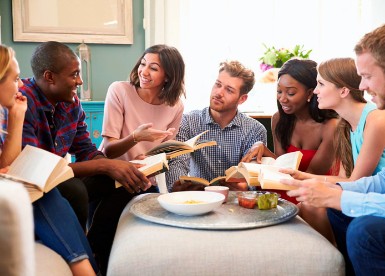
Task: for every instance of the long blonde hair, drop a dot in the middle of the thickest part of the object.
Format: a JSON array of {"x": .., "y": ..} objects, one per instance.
[{"x": 6, "y": 56}]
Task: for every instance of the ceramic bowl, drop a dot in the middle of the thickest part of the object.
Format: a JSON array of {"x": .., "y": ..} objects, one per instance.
[{"x": 191, "y": 203}]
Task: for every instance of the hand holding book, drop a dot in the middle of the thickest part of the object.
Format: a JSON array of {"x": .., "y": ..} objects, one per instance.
[{"x": 267, "y": 174}]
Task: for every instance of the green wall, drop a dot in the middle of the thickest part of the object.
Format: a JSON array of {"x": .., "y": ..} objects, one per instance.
[{"x": 109, "y": 63}]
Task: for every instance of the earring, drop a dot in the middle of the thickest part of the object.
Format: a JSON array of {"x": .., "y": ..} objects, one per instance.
[{"x": 308, "y": 100}]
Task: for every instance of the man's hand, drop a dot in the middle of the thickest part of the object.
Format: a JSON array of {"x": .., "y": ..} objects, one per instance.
[
  {"x": 127, "y": 174},
  {"x": 256, "y": 153},
  {"x": 315, "y": 193},
  {"x": 187, "y": 186},
  {"x": 236, "y": 186}
]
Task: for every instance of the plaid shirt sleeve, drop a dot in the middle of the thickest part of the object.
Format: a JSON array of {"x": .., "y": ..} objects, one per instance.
[{"x": 179, "y": 166}]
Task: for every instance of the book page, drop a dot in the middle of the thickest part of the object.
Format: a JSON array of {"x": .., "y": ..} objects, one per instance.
[
  {"x": 34, "y": 165},
  {"x": 270, "y": 177},
  {"x": 268, "y": 160},
  {"x": 152, "y": 164},
  {"x": 289, "y": 160},
  {"x": 151, "y": 161},
  {"x": 191, "y": 142}
]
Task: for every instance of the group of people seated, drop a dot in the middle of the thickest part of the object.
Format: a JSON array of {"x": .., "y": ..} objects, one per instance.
[{"x": 322, "y": 112}]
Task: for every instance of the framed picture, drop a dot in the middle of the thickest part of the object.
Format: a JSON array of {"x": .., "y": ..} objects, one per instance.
[{"x": 73, "y": 21}]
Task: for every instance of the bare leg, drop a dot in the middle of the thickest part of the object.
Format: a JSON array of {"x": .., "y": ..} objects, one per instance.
[
  {"x": 317, "y": 218},
  {"x": 82, "y": 268}
]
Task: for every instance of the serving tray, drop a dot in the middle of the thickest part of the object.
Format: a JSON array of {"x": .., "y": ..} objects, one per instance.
[{"x": 230, "y": 216}]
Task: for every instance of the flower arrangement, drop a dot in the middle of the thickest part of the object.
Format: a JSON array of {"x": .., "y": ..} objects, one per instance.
[{"x": 273, "y": 58}]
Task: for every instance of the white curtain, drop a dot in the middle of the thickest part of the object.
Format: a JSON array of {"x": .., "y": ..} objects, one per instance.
[{"x": 209, "y": 31}]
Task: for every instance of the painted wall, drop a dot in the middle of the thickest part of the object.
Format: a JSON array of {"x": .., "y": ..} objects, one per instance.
[{"x": 109, "y": 63}]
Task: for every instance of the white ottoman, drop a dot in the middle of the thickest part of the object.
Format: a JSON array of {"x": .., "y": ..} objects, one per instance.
[{"x": 290, "y": 248}]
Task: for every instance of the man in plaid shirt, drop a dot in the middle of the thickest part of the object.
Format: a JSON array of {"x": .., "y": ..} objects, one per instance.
[{"x": 234, "y": 132}]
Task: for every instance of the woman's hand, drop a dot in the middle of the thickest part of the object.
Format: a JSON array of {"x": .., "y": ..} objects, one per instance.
[
  {"x": 145, "y": 132},
  {"x": 4, "y": 170},
  {"x": 315, "y": 193},
  {"x": 296, "y": 174},
  {"x": 20, "y": 106}
]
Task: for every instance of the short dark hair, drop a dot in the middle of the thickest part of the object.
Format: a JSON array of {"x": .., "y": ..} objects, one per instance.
[
  {"x": 53, "y": 56},
  {"x": 172, "y": 62}
]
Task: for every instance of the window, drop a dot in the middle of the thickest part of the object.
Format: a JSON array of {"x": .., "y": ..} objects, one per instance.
[{"x": 208, "y": 32}]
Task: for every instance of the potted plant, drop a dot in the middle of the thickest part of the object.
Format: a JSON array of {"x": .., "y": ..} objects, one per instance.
[{"x": 275, "y": 58}]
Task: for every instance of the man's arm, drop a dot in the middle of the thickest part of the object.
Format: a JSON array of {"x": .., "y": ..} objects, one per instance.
[
  {"x": 126, "y": 173},
  {"x": 256, "y": 135}
]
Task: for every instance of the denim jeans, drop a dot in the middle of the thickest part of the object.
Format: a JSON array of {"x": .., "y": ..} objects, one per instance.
[
  {"x": 57, "y": 226},
  {"x": 76, "y": 194},
  {"x": 362, "y": 242}
]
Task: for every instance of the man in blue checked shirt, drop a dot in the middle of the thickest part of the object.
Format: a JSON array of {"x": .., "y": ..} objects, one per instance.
[
  {"x": 234, "y": 132},
  {"x": 356, "y": 209}
]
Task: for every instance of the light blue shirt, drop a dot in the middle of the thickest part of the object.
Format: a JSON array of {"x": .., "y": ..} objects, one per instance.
[
  {"x": 357, "y": 138},
  {"x": 365, "y": 196},
  {"x": 233, "y": 142}
]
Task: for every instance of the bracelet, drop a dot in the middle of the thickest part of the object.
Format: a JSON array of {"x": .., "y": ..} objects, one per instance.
[{"x": 133, "y": 137}]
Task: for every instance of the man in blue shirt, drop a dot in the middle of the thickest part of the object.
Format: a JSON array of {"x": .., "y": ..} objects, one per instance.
[
  {"x": 234, "y": 132},
  {"x": 357, "y": 209}
]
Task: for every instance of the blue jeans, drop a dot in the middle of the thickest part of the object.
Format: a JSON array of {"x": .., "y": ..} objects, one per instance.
[
  {"x": 57, "y": 226},
  {"x": 362, "y": 242}
]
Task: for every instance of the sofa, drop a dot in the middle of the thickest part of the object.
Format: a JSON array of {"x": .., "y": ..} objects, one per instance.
[{"x": 20, "y": 254}]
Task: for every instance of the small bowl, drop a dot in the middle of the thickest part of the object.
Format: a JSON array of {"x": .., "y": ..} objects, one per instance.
[
  {"x": 191, "y": 203},
  {"x": 247, "y": 199},
  {"x": 267, "y": 200},
  {"x": 219, "y": 189}
]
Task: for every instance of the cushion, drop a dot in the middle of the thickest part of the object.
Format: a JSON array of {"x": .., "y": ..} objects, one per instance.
[
  {"x": 16, "y": 230},
  {"x": 290, "y": 248},
  {"x": 48, "y": 261}
]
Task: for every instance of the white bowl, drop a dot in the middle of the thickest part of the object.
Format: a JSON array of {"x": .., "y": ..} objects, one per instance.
[{"x": 180, "y": 202}]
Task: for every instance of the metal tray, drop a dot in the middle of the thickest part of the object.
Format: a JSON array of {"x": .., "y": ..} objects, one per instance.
[{"x": 230, "y": 216}]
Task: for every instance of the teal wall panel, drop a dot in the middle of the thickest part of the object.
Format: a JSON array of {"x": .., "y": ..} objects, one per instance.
[{"x": 109, "y": 62}]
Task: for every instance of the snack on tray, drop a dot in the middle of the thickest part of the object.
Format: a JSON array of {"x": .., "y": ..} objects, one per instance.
[
  {"x": 267, "y": 201},
  {"x": 247, "y": 199}
]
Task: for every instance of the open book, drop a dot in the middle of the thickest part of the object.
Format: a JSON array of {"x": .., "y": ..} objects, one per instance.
[
  {"x": 198, "y": 180},
  {"x": 269, "y": 178},
  {"x": 265, "y": 173},
  {"x": 38, "y": 170},
  {"x": 153, "y": 165},
  {"x": 174, "y": 148}
]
